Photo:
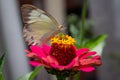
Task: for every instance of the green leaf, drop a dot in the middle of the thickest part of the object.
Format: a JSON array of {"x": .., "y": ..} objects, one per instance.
[
  {"x": 2, "y": 60},
  {"x": 31, "y": 75},
  {"x": 99, "y": 48},
  {"x": 92, "y": 43},
  {"x": 25, "y": 77},
  {"x": 1, "y": 76}
]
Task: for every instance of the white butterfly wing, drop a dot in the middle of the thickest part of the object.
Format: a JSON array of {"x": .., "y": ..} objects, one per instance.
[{"x": 39, "y": 25}]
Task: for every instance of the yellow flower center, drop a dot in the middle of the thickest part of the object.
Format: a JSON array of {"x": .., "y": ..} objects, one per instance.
[{"x": 64, "y": 40}]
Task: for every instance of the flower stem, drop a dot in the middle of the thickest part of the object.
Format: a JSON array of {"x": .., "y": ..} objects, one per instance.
[
  {"x": 59, "y": 77},
  {"x": 82, "y": 30}
]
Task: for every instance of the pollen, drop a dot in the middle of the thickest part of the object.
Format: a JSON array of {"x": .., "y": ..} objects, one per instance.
[{"x": 63, "y": 39}]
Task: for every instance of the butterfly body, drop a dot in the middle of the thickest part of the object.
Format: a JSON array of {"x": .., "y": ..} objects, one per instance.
[{"x": 39, "y": 26}]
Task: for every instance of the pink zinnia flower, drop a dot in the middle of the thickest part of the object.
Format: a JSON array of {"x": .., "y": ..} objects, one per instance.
[{"x": 63, "y": 55}]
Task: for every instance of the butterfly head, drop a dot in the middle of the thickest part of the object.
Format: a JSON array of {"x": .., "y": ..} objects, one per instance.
[{"x": 61, "y": 27}]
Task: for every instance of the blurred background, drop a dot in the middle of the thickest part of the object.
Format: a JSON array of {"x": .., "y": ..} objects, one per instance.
[{"x": 102, "y": 18}]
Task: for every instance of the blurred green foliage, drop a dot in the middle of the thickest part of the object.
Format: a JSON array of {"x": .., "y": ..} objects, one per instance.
[
  {"x": 31, "y": 75},
  {"x": 2, "y": 60},
  {"x": 91, "y": 42}
]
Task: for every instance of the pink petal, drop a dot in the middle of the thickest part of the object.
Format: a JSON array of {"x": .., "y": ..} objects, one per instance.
[
  {"x": 46, "y": 48},
  {"x": 34, "y": 63},
  {"x": 97, "y": 57},
  {"x": 76, "y": 61},
  {"x": 82, "y": 51},
  {"x": 50, "y": 60},
  {"x": 87, "y": 61},
  {"x": 97, "y": 62},
  {"x": 69, "y": 66},
  {"x": 38, "y": 50},
  {"x": 35, "y": 49},
  {"x": 30, "y": 55},
  {"x": 87, "y": 68},
  {"x": 27, "y": 51},
  {"x": 87, "y": 55}
]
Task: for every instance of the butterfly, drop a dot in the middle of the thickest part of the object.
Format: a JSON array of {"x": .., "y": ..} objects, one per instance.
[{"x": 39, "y": 26}]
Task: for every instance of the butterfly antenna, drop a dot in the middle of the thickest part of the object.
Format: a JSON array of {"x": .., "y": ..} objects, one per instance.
[
  {"x": 64, "y": 29},
  {"x": 64, "y": 23}
]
